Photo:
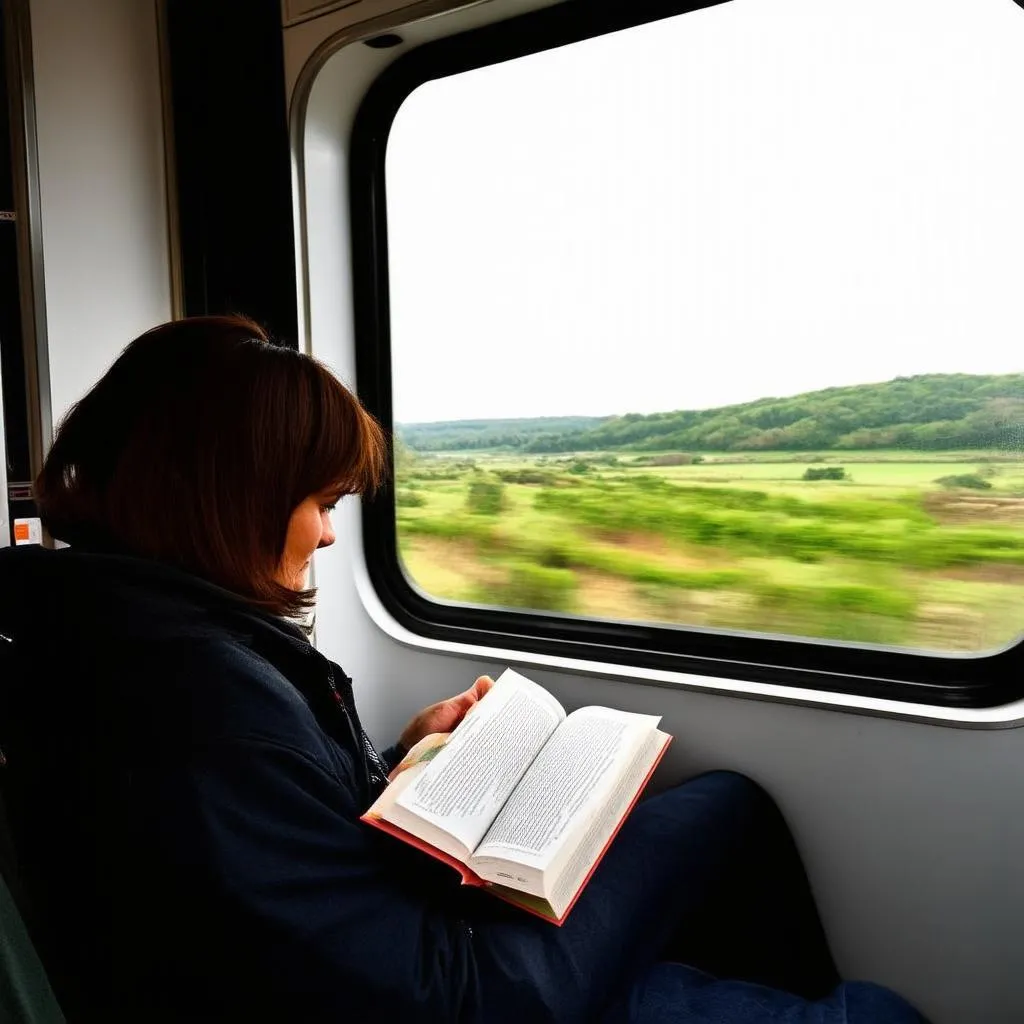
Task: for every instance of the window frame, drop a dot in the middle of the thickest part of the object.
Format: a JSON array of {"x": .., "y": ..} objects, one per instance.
[{"x": 969, "y": 681}]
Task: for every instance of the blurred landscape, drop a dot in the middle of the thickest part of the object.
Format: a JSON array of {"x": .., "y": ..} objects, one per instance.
[{"x": 885, "y": 513}]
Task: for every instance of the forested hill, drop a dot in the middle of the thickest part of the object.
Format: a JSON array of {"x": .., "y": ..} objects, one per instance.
[
  {"x": 932, "y": 411},
  {"x": 457, "y": 435}
]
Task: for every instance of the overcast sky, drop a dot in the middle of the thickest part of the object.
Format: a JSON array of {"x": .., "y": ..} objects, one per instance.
[{"x": 762, "y": 198}]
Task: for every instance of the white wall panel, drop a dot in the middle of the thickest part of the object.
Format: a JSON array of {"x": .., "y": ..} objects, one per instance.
[{"x": 102, "y": 183}]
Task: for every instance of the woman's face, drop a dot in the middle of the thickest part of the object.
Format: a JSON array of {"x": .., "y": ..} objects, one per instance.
[{"x": 308, "y": 529}]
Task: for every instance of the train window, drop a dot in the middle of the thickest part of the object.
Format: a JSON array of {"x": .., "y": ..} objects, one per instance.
[{"x": 701, "y": 339}]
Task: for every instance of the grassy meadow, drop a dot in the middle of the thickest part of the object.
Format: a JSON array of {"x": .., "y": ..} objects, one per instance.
[{"x": 912, "y": 549}]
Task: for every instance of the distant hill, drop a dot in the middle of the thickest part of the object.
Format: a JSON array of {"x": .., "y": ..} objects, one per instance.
[
  {"x": 461, "y": 435},
  {"x": 931, "y": 411}
]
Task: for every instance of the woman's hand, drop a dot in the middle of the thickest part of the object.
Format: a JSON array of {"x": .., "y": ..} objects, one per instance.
[{"x": 444, "y": 715}]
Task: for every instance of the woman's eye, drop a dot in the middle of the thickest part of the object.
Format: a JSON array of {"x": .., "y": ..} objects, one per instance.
[{"x": 328, "y": 508}]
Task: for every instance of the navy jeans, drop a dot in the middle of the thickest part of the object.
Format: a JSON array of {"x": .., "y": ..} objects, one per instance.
[{"x": 700, "y": 913}]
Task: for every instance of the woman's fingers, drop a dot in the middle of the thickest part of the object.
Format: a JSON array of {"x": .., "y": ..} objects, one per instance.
[
  {"x": 481, "y": 686},
  {"x": 465, "y": 700}
]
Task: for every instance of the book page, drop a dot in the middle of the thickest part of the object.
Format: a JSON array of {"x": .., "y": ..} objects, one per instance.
[
  {"x": 404, "y": 775},
  {"x": 578, "y": 857},
  {"x": 466, "y": 783},
  {"x": 577, "y": 768}
]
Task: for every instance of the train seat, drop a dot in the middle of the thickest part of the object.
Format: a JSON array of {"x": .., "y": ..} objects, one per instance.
[{"x": 26, "y": 996}]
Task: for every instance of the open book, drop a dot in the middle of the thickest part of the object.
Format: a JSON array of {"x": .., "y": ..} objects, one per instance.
[{"x": 521, "y": 798}]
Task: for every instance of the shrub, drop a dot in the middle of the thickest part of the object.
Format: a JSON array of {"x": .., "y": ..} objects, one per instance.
[
  {"x": 486, "y": 497},
  {"x": 676, "y": 459},
  {"x": 825, "y": 473},
  {"x": 540, "y": 587},
  {"x": 430, "y": 474},
  {"x": 969, "y": 480},
  {"x": 579, "y": 466},
  {"x": 528, "y": 476},
  {"x": 452, "y": 527},
  {"x": 844, "y": 597},
  {"x": 409, "y": 499},
  {"x": 557, "y": 556}
]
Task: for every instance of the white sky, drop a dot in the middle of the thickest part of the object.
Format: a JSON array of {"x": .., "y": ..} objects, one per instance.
[{"x": 761, "y": 198}]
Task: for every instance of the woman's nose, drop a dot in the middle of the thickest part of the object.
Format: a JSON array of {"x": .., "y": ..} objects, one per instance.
[{"x": 327, "y": 533}]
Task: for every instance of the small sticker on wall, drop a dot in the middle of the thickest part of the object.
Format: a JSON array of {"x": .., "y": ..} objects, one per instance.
[{"x": 28, "y": 531}]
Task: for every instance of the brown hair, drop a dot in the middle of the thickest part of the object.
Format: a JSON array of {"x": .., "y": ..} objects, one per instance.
[{"x": 195, "y": 448}]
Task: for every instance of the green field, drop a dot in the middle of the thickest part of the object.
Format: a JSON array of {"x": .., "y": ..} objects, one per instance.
[{"x": 913, "y": 549}]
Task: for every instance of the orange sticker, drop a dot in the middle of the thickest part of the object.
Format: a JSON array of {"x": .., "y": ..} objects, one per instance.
[{"x": 21, "y": 531}]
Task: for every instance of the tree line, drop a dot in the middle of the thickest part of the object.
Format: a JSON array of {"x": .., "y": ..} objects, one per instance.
[{"x": 927, "y": 412}]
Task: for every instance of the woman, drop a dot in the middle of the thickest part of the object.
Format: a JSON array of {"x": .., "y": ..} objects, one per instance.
[{"x": 185, "y": 772}]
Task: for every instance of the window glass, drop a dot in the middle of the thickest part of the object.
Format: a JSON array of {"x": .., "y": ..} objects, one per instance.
[{"x": 716, "y": 322}]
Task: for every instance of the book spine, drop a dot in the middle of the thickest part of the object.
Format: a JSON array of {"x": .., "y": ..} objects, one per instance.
[{"x": 469, "y": 877}]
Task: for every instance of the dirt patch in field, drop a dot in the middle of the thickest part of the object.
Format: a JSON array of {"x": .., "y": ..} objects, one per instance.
[
  {"x": 1009, "y": 574},
  {"x": 950, "y": 627},
  {"x": 449, "y": 568},
  {"x": 608, "y": 597},
  {"x": 671, "y": 557},
  {"x": 962, "y": 508}
]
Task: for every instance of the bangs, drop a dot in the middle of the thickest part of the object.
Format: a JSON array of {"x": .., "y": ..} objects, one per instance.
[{"x": 347, "y": 449}]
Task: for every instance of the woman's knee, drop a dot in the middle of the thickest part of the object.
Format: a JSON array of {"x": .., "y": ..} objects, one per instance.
[
  {"x": 740, "y": 805},
  {"x": 733, "y": 787}
]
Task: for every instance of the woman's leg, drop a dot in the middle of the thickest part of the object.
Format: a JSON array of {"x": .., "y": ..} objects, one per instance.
[
  {"x": 674, "y": 994},
  {"x": 758, "y": 921},
  {"x": 705, "y": 872}
]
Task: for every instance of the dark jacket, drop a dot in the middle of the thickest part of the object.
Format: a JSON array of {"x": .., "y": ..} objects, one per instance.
[{"x": 185, "y": 777}]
